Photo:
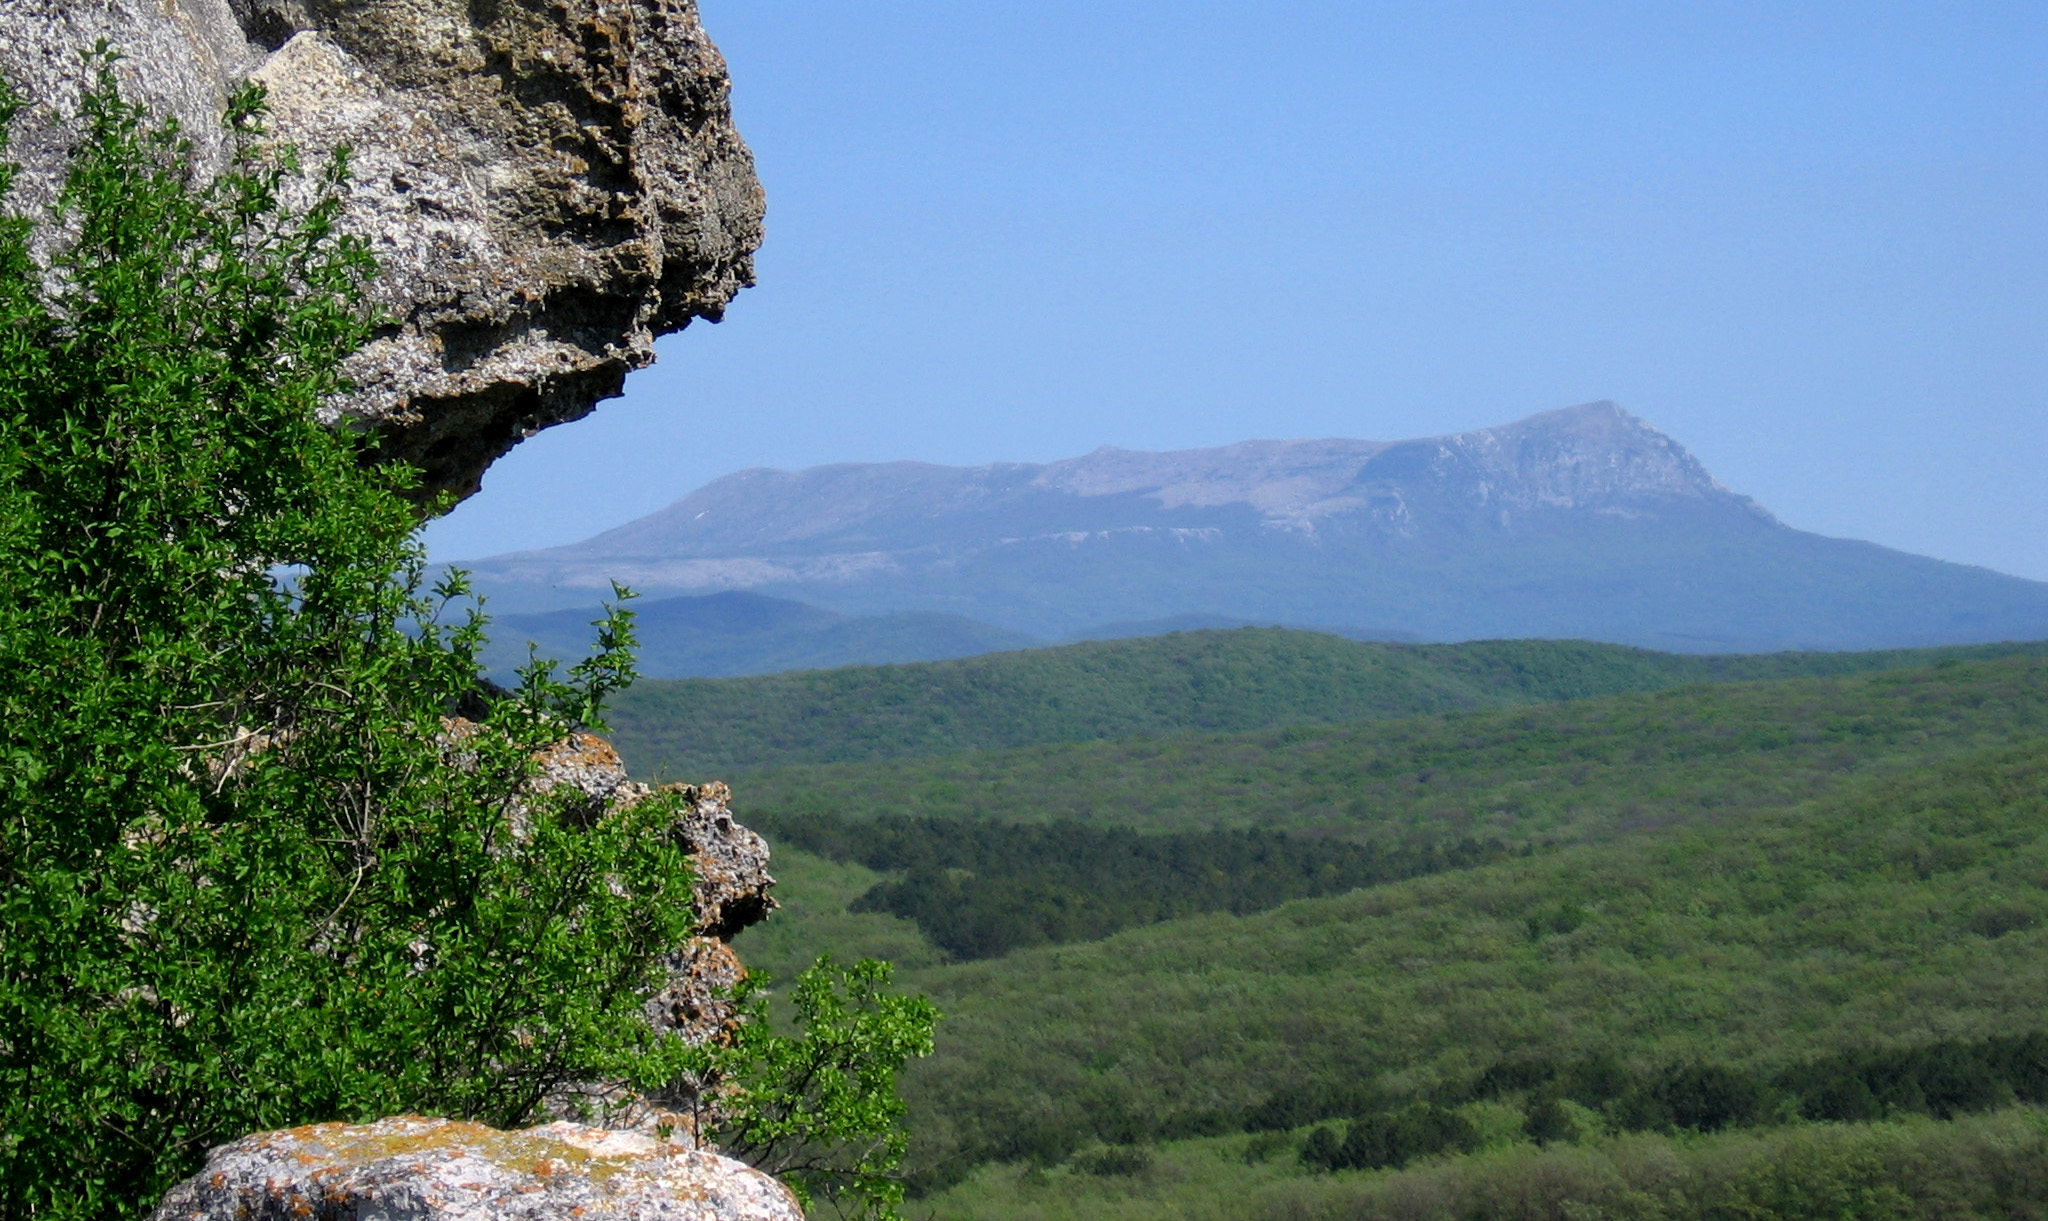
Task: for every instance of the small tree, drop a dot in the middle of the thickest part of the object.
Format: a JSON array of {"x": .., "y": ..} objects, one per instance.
[{"x": 251, "y": 874}]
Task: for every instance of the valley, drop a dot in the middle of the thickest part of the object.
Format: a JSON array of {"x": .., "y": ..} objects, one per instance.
[{"x": 1601, "y": 870}]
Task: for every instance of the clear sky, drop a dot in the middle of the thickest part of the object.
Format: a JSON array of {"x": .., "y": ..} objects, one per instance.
[{"x": 1808, "y": 240}]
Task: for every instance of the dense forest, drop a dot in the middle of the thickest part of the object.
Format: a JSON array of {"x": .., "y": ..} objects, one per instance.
[
  {"x": 978, "y": 889},
  {"x": 1800, "y": 917},
  {"x": 1551, "y": 773},
  {"x": 1244, "y": 679}
]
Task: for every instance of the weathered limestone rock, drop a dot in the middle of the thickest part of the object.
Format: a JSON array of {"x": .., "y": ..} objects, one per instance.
[
  {"x": 548, "y": 184},
  {"x": 696, "y": 1005},
  {"x": 731, "y": 862},
  {"x": 443, "y": 1170}
]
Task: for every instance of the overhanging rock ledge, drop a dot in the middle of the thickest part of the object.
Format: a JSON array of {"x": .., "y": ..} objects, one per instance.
[{"x": 547, "y": 184}]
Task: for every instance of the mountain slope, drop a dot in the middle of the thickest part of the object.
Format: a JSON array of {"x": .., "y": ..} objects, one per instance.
[{"x": 1584, "y": 523}]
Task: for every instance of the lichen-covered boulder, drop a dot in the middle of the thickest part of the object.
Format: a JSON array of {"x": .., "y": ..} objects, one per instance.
[
  {"x": 444, "y": 1170},
  {"x": 547, "y": 184}
]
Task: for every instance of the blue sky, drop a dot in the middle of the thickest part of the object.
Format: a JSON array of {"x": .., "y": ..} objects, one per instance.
[{"x": 1808, "y": 240}]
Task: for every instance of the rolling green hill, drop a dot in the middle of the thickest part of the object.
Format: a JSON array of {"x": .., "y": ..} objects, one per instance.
[
  {"x": 1906, "y": 910},
  {"x": 1748, "y": 875},
  {"x": 1547, "y": 774},
  {"x": 1250, "y": 678}
]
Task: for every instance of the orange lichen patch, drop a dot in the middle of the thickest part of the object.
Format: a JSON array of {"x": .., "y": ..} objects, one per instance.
[
  {"x": 554, "y": 1149},
  {"x": 583, "y": 751},
  {"x": 711, "y": 792}
]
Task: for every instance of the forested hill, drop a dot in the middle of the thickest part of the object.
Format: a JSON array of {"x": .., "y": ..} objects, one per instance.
[
  {"x": 1247, "y": 679},
  {"x": 1753, "y": 904}
]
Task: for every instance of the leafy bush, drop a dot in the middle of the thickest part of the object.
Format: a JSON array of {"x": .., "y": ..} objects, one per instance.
[
  {"x": 252, "y": 872},
  {"x": 1699, "y": 1097},
  {"x": 249, "y": 876},
  {"x": 1392, "y": 1138},
  {"x": 1116, "y": 1161},
  {"x": 820, "y": 1109}
]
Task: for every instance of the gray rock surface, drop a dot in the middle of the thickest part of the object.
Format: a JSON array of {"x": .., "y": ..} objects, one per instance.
[
  {"x": 443, "y": 1170},
  {"x": 548, "y": 184},
  {"x": 730, "y": 862}
]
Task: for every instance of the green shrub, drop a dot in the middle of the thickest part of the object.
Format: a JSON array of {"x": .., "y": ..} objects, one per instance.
[
  {"x": 247, "y": 876},
  {"x": 251, "y": 873},
  {"x": 1116, "y": 1161}
]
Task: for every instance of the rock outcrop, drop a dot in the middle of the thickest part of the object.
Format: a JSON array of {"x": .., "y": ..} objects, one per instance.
[
  {"x": 548, "y": 186},
  {"x": 730, "y": 862},
  {"x": 729, "y": 885},
  {"x": 442, "y": 1170}
]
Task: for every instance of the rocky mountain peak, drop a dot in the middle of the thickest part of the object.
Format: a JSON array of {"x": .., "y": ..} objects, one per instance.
[
  {"x": 1591, "y": 456},
  {"x": 861, "y": 519}
]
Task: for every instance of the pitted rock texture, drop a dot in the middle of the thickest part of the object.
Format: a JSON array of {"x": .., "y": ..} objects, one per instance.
[
  {"x": 443, "y": 1170},
  {"x": 697, "y": 1004},
  {"x": 729, "y": 884},
  {"x": 730, "y": 861},
  {"x": 547, "y": 184}
]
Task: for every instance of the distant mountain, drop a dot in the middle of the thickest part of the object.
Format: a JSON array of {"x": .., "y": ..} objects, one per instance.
[
  {"x": 1216, "y": 623},
  {"x": 721, "y": 635},
  {"x": 1584, "y": 522}
]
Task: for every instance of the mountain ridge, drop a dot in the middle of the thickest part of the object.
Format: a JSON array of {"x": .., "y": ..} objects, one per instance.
[
  {"x": 1290, "y": 483},
  {"x": 1584, "y": 522}
]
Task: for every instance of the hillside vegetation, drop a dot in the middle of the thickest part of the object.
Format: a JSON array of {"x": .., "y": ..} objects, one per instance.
[
  {"x": 1908, "y": 910},
  {"x": 1250, "y": 678},
  {"x": 1742, "y": 879},
  {"x": 979, "y": 888},
  {"x": 1911, "y": 1169},
  {"x": 1549, "y": 774}
]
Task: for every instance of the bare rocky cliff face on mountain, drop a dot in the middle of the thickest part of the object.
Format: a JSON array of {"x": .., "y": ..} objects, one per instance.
[
  {"x": 1583, "y": 522},
  {"x": 547, "y": 186}
]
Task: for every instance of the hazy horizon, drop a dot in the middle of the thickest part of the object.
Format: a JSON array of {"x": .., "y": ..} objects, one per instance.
[{"x": 1805, "y": 243}]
